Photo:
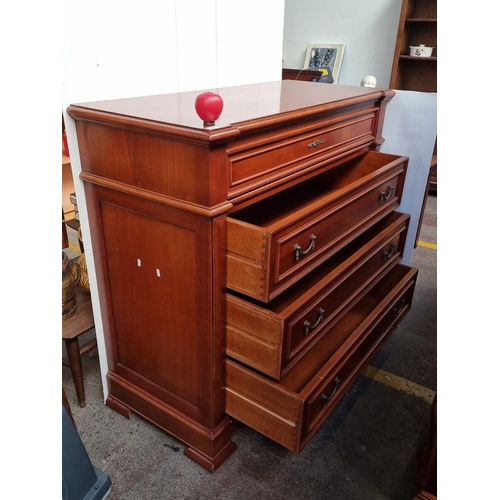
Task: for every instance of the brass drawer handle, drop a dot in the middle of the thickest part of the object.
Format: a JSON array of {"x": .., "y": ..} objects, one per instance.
[
  {"x": 309, "y": 327},
  {"x": 388, "y": 254},
  {"x": 385, "y": 197},
  {"x": 397, "y": 310},
  {"x": 324, "y": 398},
  {"x": 317, "y": 143},
  {"x": 299, "y": 251}
]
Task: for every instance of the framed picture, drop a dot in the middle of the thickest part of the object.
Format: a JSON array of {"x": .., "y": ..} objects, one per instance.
[{"x": 326, "y": 58}]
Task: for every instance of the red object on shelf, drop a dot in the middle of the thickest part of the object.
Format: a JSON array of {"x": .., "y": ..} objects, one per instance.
[{"x": 209, "y": 107}]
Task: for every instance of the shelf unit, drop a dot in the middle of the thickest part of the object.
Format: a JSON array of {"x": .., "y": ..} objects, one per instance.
[{"x": 417, "y": 25}]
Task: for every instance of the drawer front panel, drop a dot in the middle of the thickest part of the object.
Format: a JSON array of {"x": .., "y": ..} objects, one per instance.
[
  {"x": 329, "y": 393},
  {"x": 291, "y": 411},
  {"x": 341, "y": 297},
  {"x": 260, "y": 165},
  {"x": 320, "y": 237}
]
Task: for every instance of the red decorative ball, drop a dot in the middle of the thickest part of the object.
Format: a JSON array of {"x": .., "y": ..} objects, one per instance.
[{"x": 209, "y": 106}]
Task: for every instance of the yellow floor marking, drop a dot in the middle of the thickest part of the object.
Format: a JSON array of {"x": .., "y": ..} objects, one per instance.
[
  {"x": 399, "y": 383},
  {"x": 427, "y": 245}
]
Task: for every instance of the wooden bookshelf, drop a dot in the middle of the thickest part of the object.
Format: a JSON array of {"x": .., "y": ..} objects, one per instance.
[{"x": 417, "y": 25}]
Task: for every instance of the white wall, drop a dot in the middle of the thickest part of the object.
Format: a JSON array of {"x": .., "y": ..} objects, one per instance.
[
  {"x": 367, "y": 28},
  {"x": 410, "y": 129},
  {"x": 112, "y": 50}
]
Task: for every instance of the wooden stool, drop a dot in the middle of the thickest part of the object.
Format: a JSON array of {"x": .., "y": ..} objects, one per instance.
[{"x": 82, "y": 321}]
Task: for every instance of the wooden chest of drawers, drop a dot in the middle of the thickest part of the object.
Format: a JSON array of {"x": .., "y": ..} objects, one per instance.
[{"x": 246, "y": 271}]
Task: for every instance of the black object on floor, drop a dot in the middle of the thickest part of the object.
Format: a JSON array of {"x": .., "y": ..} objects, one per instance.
[{"x": 80, "y": 479}]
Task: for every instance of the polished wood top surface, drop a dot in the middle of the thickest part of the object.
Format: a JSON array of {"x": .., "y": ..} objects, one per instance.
[{"x": 245, "y": 107}]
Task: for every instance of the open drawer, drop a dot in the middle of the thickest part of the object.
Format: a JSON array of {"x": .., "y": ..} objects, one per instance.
[
  {"x": 273, "y": 243},
  {"x": 291, "y": 411},
  {"x": 273, "y": 337}
]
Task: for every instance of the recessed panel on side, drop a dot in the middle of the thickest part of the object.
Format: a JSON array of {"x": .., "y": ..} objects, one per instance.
[{"x": 155, "y": 327}]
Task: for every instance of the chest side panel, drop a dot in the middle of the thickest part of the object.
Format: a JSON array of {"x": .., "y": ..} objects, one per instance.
[{"x": 157, "y": 264}]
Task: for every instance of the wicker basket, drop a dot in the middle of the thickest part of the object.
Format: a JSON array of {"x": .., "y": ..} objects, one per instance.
[
  {"x": 69, "y": 279},
  {"x": 81, "y": 268}
]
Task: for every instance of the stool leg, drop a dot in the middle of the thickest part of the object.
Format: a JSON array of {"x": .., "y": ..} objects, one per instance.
[{"x": 75, "y": 365}]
